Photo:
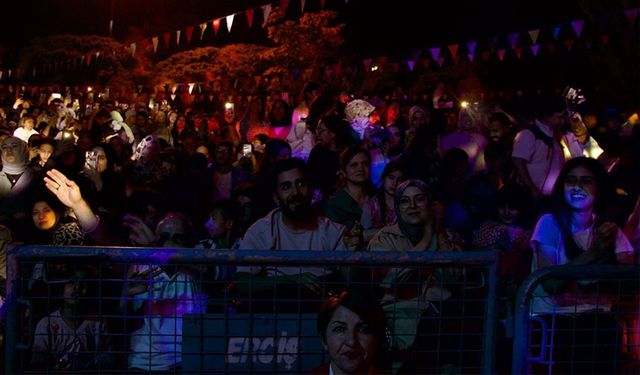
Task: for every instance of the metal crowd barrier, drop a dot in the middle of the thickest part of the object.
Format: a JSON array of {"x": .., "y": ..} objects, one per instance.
[
  {"x": 593, "y": 328},
  {"x": 187, "y": 308}
]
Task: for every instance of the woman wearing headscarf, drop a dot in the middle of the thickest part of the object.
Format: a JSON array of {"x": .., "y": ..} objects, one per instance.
[
  {"x": 407, "y": 292},
  {"x": 15, "y": 177}
]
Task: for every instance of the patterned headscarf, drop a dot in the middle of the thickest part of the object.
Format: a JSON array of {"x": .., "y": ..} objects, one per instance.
[{"x": 358, "y": 109}]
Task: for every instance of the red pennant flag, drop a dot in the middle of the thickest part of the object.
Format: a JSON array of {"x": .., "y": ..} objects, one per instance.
[
  {"x": 337, "y": 68},
  {"x": 189, "y": 33},
  {"x": 501, "y": 53},
  {"x": 513, "y": 39},
  {"x": 249, "y": 14},
  {"x": 322, "y": 3},
  {"x": 216, "y": 26},
  {"x": 395, "y": 67},
  {"x": 631, "y": 14},
  {"x": 551, "y": 46},
  {"x": 453, "y": 48},
  {"x": 605, "y": 40},
  {"x": 518, "y": 51},
  {"x": 456, "y": 59},
  {"x": 425, "y": 63},
  {"x": 284, "y": 4},
  {"x": 485, "y": 56},
  {"x": 577, "y": 27},
  {"x": 167, "y": 39},
  {"x": 569, "y": 44},
  {"x": 440, "y": 61},
  {"x": 534, "y": 49},
  {"x": 144, "y": 43}
]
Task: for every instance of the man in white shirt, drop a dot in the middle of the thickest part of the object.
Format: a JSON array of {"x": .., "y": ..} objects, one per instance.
[
  {"x": 537, "y": 153},
  {"x": 294, "y": 225}
]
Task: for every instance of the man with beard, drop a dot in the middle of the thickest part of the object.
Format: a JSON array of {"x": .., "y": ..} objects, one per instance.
[{"x": 294, "y": 225}]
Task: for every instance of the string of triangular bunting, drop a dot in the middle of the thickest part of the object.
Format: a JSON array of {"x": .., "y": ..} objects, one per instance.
[
  {"x": 215, "y": 23},
  {"x": 517, "y": 42}
]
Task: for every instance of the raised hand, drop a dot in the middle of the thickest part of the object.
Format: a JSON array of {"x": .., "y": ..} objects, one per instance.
[{"x": 67, "y": 191}]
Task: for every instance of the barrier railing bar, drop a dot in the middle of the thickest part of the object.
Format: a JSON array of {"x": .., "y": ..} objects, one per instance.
[{"x": 523, "y": 300}]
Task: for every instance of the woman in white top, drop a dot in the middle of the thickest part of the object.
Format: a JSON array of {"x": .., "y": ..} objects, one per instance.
[{"x": 576, "y": 234}]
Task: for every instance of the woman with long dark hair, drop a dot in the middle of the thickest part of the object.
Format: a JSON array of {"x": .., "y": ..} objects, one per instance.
[{"x": 577, "y": 233}]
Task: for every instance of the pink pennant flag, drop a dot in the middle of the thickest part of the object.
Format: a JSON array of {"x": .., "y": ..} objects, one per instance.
[
  {"x": 178, "y": 32},
  {"x": 471, "y": 47},
  {"x": 284, "y": 4},
  {"x": 249, "y": 14},
  {"x": 266, "y": 10},
  {"x": 470, "y": 56},
  {"x": 367, "y": 63},
  {"x": 453, "y": 48},
  {"x": 230, "y": 21},
  {"x": 533, "y": 34},
  {"x": 203, "y": 27},
  {"x": 167, "y": 39},
  {"x": 411, "y": 64},
  {"x": 556, "y": 32},
  {"x": 189, "y": 33},
  {"x": 216, "y": 26},
  {"x": 569, "y": 44},
  {"x": 155, "y": 40},
  {"x": 577, "y": 27},
  {"x": 501, "y": 53},
  {"x": 440, "y": 61},
  {"x": 631, "y": 14},
  {"x": 133, "y": 49},
  {"x": 513, "y": 39},
  {"x": 302, "y": 2},
  {"x": 88, "y": 59},
  {"x": 435, "y": 52}
]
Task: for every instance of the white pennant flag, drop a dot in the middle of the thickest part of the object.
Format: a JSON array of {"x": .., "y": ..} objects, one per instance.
[
  {"x": 230, "y": 21},
  {"x": 203, "y": 27},
  {"x": 133, "y": 49},
  {"x": 266, "y": 10},
  {"x": 154, "y": 40},
  {"x": 178, "y": 37},
  {"x": 302, "y": 2}
]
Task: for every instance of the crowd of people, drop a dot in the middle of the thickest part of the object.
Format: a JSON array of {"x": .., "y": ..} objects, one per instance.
[{"x": 541, "y": 181}]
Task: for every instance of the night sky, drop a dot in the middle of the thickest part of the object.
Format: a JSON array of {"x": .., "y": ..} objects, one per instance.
[{"x": 374, "y": 26}]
